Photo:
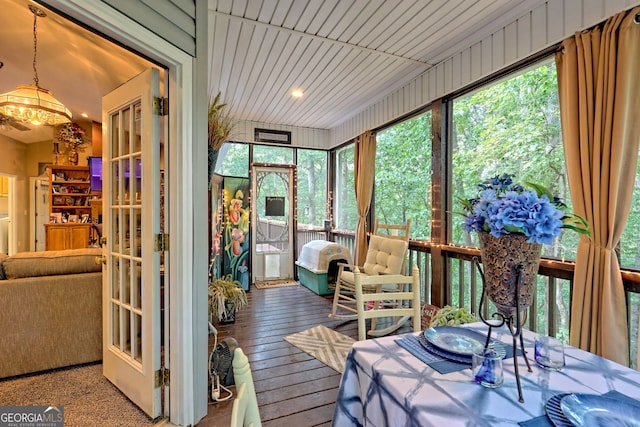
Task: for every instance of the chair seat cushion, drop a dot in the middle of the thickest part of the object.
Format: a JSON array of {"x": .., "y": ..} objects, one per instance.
[
  {"x": 347, "y": 278},
  {"x": 385, "y": 255}
]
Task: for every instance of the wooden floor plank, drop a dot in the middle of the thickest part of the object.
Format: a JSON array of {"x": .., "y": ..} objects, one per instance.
[{"x": 293, "y": 388}]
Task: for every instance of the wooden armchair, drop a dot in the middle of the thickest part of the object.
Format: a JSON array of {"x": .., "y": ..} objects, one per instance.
[
  {"x": 393, "y": 231},
  {"x": 245, "y": 410},
  {"x": 401, "y": 303},
  {"x": 387, "y": 251},
  {"x": 384, "y": 256}
]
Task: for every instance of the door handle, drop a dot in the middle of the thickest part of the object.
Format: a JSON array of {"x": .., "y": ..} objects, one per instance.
[{"x": 101, "y": 260}]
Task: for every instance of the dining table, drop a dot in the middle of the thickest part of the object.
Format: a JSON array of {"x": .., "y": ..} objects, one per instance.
[{"x": 396, "y": 381}]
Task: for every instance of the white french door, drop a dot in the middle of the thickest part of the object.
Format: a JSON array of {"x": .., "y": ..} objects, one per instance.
[{"x": 131, "y": 223}]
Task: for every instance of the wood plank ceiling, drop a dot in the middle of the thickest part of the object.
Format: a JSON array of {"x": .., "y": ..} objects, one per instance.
[{"x": 343, "y": 54}]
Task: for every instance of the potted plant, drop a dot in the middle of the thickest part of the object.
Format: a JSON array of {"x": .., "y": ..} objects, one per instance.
[
  {"x": 512, "y": 224},
  {"x": 451, "y": 316},
  {"x": 225, "y": 297}
]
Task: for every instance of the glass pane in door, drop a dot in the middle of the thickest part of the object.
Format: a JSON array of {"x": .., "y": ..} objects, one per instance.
[{"x": 125, "y": 233}]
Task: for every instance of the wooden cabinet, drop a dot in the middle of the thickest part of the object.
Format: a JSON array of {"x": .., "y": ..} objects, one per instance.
[{"x": 67, "y": 236}]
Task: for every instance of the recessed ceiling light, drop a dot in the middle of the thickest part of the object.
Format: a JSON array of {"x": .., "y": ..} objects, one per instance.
[
  {"x": 85, "y": 115},
  {"x": 297, "y": 93}
]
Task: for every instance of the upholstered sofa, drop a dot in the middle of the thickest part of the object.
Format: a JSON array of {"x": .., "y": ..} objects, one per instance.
[{"x": 50, "y": 310}]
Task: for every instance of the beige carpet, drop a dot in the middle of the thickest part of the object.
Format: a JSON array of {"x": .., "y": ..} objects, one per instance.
[
  {"x": 88, "y": 398},
  {"x": 276, "y": 284},
  {"x": 326, "y": 345}
]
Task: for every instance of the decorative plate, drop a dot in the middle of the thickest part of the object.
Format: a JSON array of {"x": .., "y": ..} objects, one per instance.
[
  {"x": 455, "y": 339},
  {"x": 443, "y": 353},
  {"x": 593, "y": 410},
  {"x": 554, "y": 411},
  {"x": 496, "y": 345}
]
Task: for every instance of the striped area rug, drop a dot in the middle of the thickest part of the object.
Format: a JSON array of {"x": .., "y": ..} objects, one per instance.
[{"x": 326, "y": 345}]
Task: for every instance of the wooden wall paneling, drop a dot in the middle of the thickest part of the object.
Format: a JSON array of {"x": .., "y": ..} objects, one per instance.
[
  {"x": 217, "y": 26},
  {"x": 253, "y": 51},
  {"x": 555, "y": 21},
  {"x": 439, "y": 80},
  {"x": 266, "y": 10},
  {"x": 413, "y": 94},
  {"x": 267, "y": 76},
  {"x": 497, "y": 49},
  {"x": 433, "y": 84},
  {"x": 539, "y": 30},
  {"x": 486, "y": 46},
  {"x": 524, "y": 36},
  {"x": 465, "y": 66},
  {"x": 456, "y": 70},
  {"x": 611, "y": 7},
  {"x": 511, "y": 43},
  {"x": 476, "y": 61},
  {"x": 282, "y": 83},
  {"x": 423, "y": 85},
  {"x": 267, "y": 39},
  {"x": 301, "y": 137},
  {"x": 369, "y": 119},
  {"x": 447, "y": 74},
  {"x": 573, "y": 16},
  {"x": 244, "y": 45},
  {"x": 593, "y": 10},
  {"x": 545, "y": 24},
  {"x": 232, "y": 37}
]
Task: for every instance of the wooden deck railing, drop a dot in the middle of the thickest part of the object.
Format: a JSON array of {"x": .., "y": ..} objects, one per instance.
[{"x": 550, "y": 310}]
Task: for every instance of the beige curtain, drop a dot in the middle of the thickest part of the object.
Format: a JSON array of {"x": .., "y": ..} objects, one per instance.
[
  {"x": 600, "y": 108},
  {"x": 364, "y": 173}
]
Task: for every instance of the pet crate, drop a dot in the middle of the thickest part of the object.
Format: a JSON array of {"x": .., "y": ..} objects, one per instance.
[{"x": 317, "y": 265}]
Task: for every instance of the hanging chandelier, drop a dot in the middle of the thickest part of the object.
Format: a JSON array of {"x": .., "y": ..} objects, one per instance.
[{"x": 31, "y": 103}]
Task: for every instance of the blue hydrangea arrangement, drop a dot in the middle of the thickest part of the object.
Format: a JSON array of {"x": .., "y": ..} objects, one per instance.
[{"x": 507, "y": 208}]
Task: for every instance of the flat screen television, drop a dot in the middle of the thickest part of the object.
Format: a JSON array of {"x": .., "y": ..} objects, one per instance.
[{"x": 95, "y": 173}]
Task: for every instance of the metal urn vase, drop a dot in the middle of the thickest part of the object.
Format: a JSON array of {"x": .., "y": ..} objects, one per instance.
[
  {"x": 502, "y": 257},
  {"x": 509, "y": 279}
]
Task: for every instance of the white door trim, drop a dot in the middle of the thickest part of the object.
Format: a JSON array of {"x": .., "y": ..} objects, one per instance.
[{"x": 186, "y": 180}]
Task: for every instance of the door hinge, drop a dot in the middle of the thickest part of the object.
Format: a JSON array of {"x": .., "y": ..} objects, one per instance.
[
  {"x": 161, "y": 106},
  {"x": 162, "y": 377},
  {"x": 161, "y": 242}
]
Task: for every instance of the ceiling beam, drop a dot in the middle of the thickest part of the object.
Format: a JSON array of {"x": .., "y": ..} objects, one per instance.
[{"x": 320, "y": 38}]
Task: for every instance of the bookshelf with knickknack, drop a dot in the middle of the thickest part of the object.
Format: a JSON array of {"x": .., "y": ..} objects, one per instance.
[{"x": 69, "y": 207}]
